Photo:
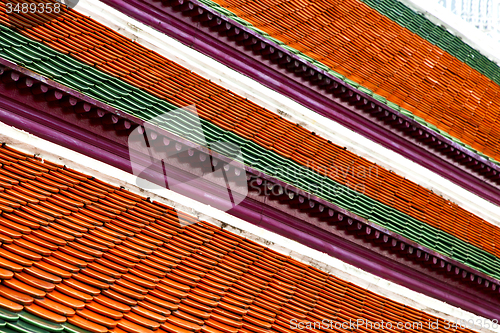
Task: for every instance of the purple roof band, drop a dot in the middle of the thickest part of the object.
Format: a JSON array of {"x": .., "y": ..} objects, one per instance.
[
  {"x": 339, "y": 102},
  {"x": 27, "y": 108}
]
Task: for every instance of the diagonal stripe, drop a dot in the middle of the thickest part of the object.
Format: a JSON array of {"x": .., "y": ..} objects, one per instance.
[
  {"x": 243, "y": 86},
  {"x": 205, "y": 266},
  {"x": 394, "y": 206},
  {"x": 394, "y": 52}
]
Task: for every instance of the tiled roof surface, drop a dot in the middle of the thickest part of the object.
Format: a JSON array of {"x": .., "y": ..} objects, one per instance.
[
  {"x": 269, "y": 143},
  {"x": 396, "y": 53},
  {"x": 80, "y": 255}
]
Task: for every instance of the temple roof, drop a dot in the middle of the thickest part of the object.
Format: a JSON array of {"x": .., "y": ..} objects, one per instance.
[
  {"x": 389, "y": 50},
  {"x": 81, "y": 255},
  {"x": 108, "y": 67},
  {"x": 100, "y": 238}
]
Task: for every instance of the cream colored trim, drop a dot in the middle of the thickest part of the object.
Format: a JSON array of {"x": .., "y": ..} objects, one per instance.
[
  {"x": 31, "y": 144},
  {"x": 277, "y": 103}
]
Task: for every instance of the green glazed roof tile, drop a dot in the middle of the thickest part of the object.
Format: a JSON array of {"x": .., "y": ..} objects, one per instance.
[
  {"x": 407, "y": 113},
  {"x": 393, "y": 106},
  {"x": 277, "y": 41},
  {"x": 23, "y": 326},
  {"x": 226, "y": 12},
  {"x": 291, "y": 49},
  {"x": 8, "y": 315},
  {"x": 135, "y": 101},
  {"x": 337, "y": 75},
  {"x": 320, "y": 65},
  {"x": 365, "y": 90},
  {"x": 39, "y": 322},
  {"x": 9, "y": 54},
  {"x": 10, "y": 327},
  {"x": 73, "y": 329},
  {"x": 380, "y": 98},
  {"x": 431, "y": 126},
  {"x": 352, "y": 83}
]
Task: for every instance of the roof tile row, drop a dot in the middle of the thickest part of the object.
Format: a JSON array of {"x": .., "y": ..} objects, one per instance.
[
  {"x": 393, "y": 61},
  {"x": 120, "y": 263},
  {"x": 167, "y": 80}
]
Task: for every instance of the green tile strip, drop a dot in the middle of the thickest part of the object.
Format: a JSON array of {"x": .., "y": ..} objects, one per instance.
[
  {"x": 436, "y": 35},
  {"x": 24, "y": 322},
  {"x": 136, "y": 102},
  {"x": 416, "y": 23}
]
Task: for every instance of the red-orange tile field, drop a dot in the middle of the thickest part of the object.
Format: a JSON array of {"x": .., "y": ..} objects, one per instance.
[
  {"x": 367, "y": 47},
  {"x": 76, "y": 250},
  {"x": 92, "y": 43}
]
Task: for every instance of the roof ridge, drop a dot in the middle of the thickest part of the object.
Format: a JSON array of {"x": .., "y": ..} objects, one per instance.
[
  {"x": 208, "y": 124},
  {"x": 397, "y": 108}
]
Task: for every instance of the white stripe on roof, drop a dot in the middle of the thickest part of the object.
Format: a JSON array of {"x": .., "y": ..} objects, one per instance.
[{"x": 286, "y": 107}]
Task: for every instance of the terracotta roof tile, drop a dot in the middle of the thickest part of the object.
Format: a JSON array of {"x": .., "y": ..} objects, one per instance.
[
  {"x": 193, "y": 277},
  {"x": 180, "y": 86},
  {"x": 397, "y": 60}
]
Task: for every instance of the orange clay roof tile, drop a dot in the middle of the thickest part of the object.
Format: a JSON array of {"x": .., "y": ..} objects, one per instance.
[
  {"x": 288, "y": 25},
  {"x": 297, "y": 140}
]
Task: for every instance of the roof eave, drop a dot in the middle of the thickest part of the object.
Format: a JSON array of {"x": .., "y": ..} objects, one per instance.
[
  {"x": 244, "y": 50},
  {"x": 55, "y": 113}
]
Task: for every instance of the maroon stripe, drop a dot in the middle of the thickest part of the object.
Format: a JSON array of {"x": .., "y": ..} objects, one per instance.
[
  {"x": 22, "y": 110},
  {"x": 210, "y": 42}
]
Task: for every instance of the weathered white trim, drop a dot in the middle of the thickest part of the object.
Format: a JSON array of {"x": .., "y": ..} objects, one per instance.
[
  {"x": 31, "y": 144},
  {"x": 277, "y": 103}
]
